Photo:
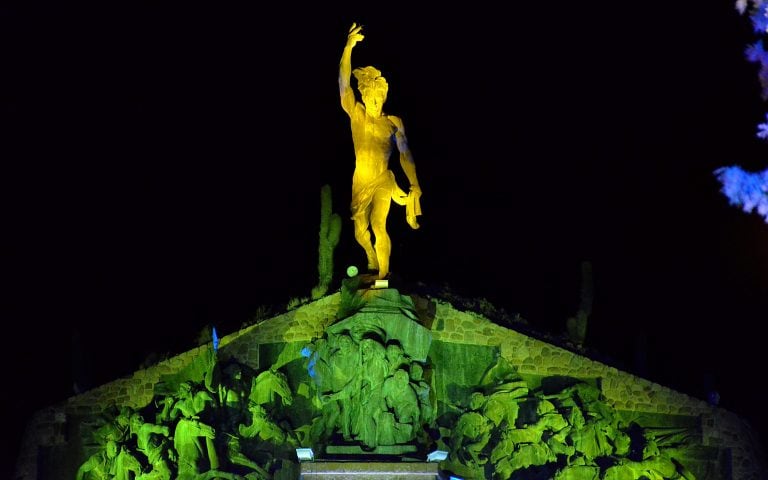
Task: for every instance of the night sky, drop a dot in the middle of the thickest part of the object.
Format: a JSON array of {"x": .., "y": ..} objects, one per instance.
[{"x": 162, "y": 168}]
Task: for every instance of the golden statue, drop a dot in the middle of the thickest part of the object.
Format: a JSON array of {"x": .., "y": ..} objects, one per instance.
[{"x": 374, "y": 135}]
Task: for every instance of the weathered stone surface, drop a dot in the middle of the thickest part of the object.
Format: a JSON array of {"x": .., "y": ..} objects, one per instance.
[
  {"x": 369, "y": 470},
  {"x": 384, "y": 311}
]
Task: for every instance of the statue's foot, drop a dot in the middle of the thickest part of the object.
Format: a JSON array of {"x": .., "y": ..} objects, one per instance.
[{"x": 368, "y": 278}]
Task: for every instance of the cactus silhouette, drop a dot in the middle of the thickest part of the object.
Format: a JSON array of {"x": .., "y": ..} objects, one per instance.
[
  {"x": 330, "y": 230},
  {"x": 576, "y": 326}
]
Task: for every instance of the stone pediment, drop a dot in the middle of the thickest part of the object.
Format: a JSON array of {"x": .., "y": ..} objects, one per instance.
[{"x": 470, "y": 366}]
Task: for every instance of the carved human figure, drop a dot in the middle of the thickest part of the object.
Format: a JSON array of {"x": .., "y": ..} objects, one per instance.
[
  {"x": 116, "y": 429},
  {"x": 126, "y": 467},
  {"x": 374, "y": 135},
  {"x": 401, "y": 398},
  {"x": 530, "y": 454},
  {"x": 233, "y": 396},
  {"x": 99, "y": 465},
  {"x": 193, "y": 440},
  {"x": 150, "y": 442},
  {"x": 473, "y": 431},
  {"x": 237, "y": 457},
  {"x": 261, "y": 426},
  {"x": 269, "y": 385},
  {"x": 345, "y": 363},
  {"x": 365, "y": 423},
  {"x": 423, "y": 393},
  {"x": 395, "y": 357},
  {"x": 502, "y": 406},
  {"x": 232, "y": 390},
  {"x": 345, "y": 380},
  {"x": 164, "y": 406},
  {"x": 190, "y": 404},
  {"x": 375, "y": 365}
]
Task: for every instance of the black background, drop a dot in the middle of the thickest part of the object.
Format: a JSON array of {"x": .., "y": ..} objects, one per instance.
[{"x": 162, "y": 168}]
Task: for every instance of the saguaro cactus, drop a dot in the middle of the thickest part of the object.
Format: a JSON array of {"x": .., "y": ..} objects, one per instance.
[
  {"x": 330, "y": 231},
  {"x": 577, "y": 325}
]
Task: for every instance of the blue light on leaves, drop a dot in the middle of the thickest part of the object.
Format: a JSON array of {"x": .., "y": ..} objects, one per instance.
[
  {"x": 760, "y": 19},
  {"x": 756, "y": 53},
  {"x": 745, "y": 189},
  {"x": 762, "y": 129}
]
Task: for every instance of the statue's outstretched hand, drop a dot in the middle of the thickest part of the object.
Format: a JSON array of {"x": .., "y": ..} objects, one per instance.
[{"x": 354, "y": 35}]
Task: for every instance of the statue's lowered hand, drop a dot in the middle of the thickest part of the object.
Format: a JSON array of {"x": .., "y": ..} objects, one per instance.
[{"x": 413, "y": 206}]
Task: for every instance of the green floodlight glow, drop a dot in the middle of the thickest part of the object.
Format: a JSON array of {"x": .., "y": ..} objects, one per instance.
[{"x": 351, "y": 271}]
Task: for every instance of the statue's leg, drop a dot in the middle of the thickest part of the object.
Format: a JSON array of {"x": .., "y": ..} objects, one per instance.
[
  {"x": 380, "y": 210},
  {"x": 363, "y": 237}
]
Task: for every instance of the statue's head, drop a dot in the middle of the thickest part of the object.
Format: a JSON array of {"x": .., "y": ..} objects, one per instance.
[
  {"x": 234, "y": 371},
  {"x": 185, "y": 389},
  {"x": 373, "y": 89},
  {"x": 394, "y": 352},
  {"x": 111, "y": 449},
  {"x": 417, "y": 371},
  {"x": 401, "y": 376},
  {"x": 136, "y": 422},
  {"x": 124, "y": 416},
  {"x": 476, "y": 401},
  {"x": 345, "y": 343}
]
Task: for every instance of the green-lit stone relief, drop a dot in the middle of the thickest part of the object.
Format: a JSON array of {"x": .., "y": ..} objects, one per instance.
[{"x": 376, "y": 385}]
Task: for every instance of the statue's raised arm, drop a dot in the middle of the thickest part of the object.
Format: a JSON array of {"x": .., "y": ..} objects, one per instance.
[{"x": 345, "y": 68}]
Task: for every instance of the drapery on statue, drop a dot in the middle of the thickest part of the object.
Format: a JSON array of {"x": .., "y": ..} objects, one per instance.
[{"x": 374, "y": 135}]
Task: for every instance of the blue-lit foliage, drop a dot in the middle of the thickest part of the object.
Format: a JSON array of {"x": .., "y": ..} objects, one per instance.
[
  {"x": 215, "y": 338},
  {"x": 760, "y": 19},
  {"x": 762, "y": 129},
  {"x": 756, "y": 53},
  {"x": 745, "y": 189}
]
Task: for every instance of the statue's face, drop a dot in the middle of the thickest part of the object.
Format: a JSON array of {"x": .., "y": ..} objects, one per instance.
[
  {"x": 476, "y": 400},
  {"x": 185, "y": 390},
  {"x": 345, "y": 343},
  {"x": 111, "y": 449},
  {"x": 394, "y": 352},
  {"x": 136, "y": 421},
  {"x": 374, "y": 97}
]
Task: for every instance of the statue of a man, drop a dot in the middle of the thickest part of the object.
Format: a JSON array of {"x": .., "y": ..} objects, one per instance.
[{"x": 374, "y": 135}]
